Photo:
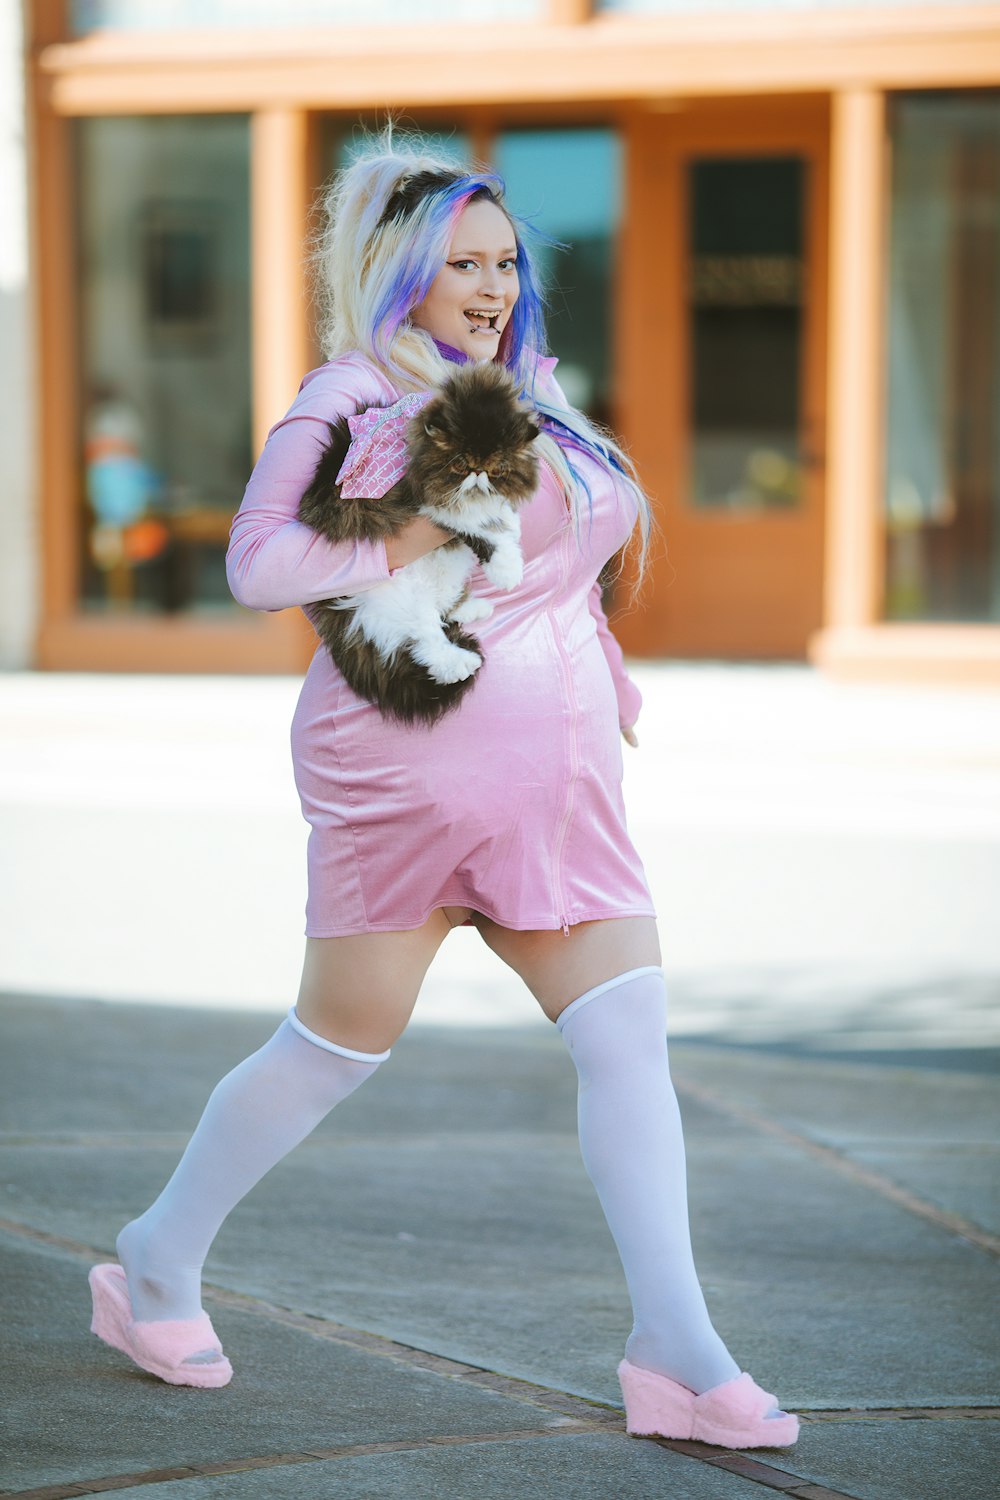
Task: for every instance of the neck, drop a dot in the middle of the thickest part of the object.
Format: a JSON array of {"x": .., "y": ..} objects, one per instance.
[{"x": 449, "y": 352}]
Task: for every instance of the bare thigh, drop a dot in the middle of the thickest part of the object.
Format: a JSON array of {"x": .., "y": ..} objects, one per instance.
[
  {"x": 360, "y": 991},
  {"x": 557, "y": 967}
]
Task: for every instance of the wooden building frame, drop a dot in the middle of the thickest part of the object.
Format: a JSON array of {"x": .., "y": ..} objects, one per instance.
[{"x": 567, "y": 64}]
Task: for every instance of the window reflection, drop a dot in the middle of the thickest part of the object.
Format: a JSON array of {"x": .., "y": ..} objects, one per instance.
[
  {"x": 943, "y": 461},
  {"x": 567, "y": 183},
  {"x": 165, "y": 327},
  {"x": 745, "y": 297}
]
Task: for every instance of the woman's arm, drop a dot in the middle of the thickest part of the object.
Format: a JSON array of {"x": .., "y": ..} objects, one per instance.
[
  {"x": 276, "y": 562},
  {"x": 419, "y": 537},
  {"x": 628, "y": 695}
]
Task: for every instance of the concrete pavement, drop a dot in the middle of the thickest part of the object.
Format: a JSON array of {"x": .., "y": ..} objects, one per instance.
[{"x": 423, "y": 1300}]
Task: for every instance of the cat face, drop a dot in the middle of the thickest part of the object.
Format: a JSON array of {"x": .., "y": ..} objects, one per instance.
[{"x": 476, "y": 426}]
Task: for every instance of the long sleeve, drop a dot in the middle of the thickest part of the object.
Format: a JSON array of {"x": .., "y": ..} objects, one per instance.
[
  {"x": 274, "y": 561},
  {"x": 629, "y": 696}
]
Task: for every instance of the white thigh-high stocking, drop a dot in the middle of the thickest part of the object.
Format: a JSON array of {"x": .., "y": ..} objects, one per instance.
[
  {"x": 256, "y": 1114},
  {"x": 633, "y": 1149}
]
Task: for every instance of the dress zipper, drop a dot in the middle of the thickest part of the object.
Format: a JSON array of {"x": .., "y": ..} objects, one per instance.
[{"x": 574, "y": 754}]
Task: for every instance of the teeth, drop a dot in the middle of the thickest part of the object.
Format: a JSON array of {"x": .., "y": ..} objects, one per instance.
[{"x": 478, "y": 312}]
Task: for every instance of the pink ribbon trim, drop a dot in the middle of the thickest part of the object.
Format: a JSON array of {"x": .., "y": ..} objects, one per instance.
[{"x": 377, "y": 456}]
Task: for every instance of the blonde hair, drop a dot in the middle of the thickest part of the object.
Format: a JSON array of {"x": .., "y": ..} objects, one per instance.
[{"x": 373, "y": 264}]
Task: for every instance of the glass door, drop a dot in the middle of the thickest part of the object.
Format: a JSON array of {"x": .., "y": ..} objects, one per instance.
[
  {"x": 744, "y": 325},
  {"x": 726, "y": 289}
]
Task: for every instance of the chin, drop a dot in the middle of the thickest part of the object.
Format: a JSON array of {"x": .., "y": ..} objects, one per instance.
[{"x": 479, "y": 348}]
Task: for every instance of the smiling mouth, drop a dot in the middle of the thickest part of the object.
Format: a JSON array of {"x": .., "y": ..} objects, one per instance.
[{"x": 482, "y": 320}]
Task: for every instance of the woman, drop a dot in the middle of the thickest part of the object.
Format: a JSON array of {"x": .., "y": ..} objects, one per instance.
[{"x": 507, "y": 813}]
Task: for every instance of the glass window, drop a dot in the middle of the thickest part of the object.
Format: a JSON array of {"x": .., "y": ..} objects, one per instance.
[
  {"x": 567, "y": 182},
  {"x": 164, "y": 234},
  {"x": 728, "y": 7},
  {"x": 943, "y": 441},
  {"x": 185, "y": 15},
  {"x": 745, "y": 295}
]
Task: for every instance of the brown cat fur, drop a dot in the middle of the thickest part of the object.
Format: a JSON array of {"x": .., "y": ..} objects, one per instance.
[{"x": 475, "y": 424}]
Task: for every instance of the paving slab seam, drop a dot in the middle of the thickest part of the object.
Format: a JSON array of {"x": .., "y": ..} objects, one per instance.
[
  {"x": 865, "y": 1176},
  {"x": 907, "y": 1414},
  {"x": 738, "y": 1464},
  {"x": 757, "y": 1472},
  {"x": 506, "y": 1385},
  {"x": 253, "y": 1462},
  {"x": 95, "y": 1140},
  {"x": 575, "y": 1414}
]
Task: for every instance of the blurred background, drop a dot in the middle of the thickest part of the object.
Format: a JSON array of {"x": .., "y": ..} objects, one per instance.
[{"x": 781, "y": 288}]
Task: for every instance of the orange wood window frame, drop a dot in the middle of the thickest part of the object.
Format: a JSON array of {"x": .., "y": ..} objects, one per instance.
[
  {"x": 568, "y": 61},
  {"x": 562, "y": 57},
  {"x": 68, "y": 638},
  {"x": 855, "y": 641}
]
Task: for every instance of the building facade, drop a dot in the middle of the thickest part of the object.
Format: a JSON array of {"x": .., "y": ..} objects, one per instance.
[{"x": 780, "y": 286}]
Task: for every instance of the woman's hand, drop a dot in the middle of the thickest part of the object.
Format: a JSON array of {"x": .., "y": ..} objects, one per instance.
[
  {"x": 629, "y": 736},
  {"x": 416, "y": 539}
]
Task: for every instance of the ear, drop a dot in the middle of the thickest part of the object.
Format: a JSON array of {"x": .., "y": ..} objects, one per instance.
[{"x": 533, "y": 430}]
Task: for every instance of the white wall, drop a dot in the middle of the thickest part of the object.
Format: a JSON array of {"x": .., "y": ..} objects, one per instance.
[{"x": 19, "y": 542}]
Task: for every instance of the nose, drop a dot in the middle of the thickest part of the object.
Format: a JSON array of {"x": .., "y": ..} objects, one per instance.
[{"x": 491, "y": 286}]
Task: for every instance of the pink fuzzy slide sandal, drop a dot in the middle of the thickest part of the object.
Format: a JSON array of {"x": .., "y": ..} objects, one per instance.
[
  {"x": 732, "y": 1415},
  {"x": 160, "y": 1348}
]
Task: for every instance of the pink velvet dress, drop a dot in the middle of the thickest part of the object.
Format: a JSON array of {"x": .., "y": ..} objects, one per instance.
[{"x": 511, "y": 804}]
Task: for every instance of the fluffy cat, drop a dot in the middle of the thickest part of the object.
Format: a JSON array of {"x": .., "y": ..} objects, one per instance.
[{"x": 469, "y": 462}]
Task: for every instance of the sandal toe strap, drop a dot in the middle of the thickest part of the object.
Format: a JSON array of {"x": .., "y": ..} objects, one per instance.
[{"x": 740, "y": 1399}]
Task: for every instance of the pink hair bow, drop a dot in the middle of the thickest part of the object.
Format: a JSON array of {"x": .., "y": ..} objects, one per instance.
[{"x": 376, "y": 458}]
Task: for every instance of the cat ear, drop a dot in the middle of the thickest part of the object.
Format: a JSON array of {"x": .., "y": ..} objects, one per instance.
[{"x": 532, "y": 431}]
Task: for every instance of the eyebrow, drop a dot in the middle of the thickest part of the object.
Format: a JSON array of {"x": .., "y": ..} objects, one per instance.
[{"x": 462, "y": 254}]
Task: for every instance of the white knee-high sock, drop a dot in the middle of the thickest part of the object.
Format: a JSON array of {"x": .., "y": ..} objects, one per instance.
[
  {"x": 255, "y": 1115},
  {"x": 633, "y": 1149}
]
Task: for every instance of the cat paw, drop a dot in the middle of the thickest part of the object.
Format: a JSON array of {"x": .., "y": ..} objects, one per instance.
[
  {"x": 454, "y": 665},
  {"x": 504, "y": 572},
  {"x": 471, "y": 610},
  {"x": 505, "y": 569}
]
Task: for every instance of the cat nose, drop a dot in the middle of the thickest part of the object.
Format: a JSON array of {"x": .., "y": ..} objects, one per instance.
[{"x": 474, "y": 481}]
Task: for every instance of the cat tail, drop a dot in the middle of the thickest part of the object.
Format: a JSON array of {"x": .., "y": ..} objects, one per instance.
[
  {"x": 401, "y": 688},
  {"x": 404, "y": 690}
]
